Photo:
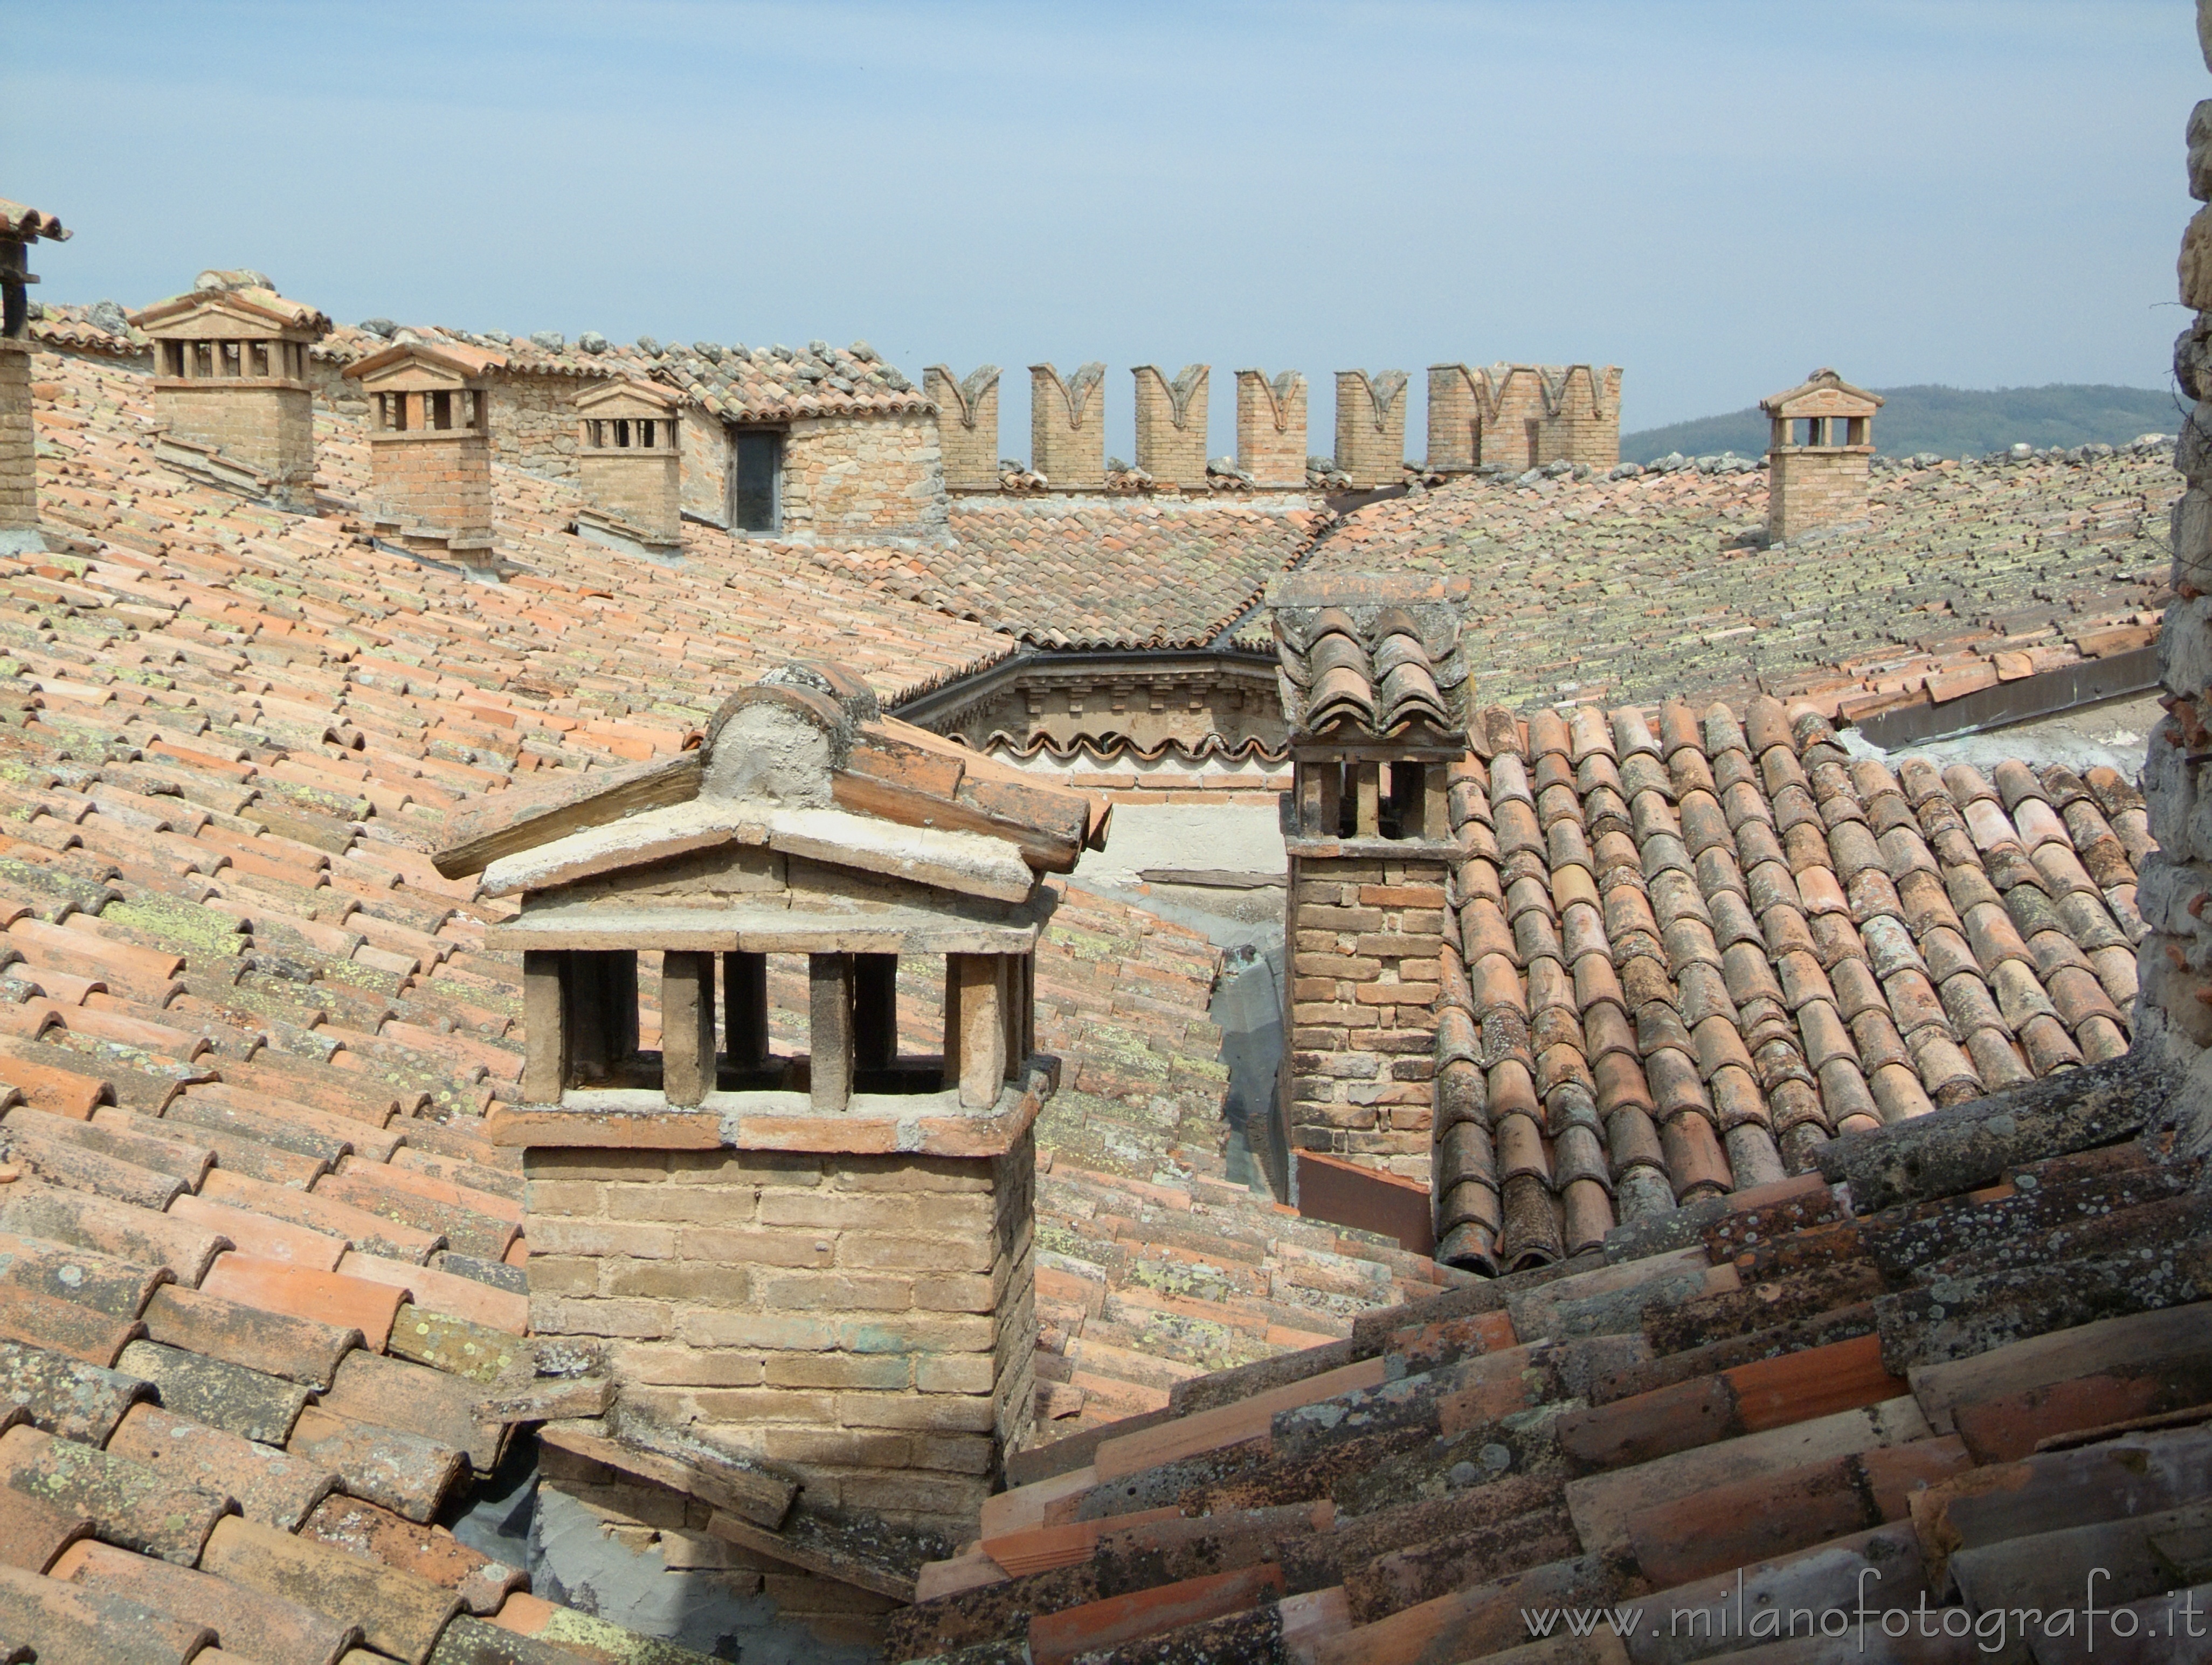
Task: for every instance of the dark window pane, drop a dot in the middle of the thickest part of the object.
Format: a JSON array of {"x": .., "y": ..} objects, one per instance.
[{"x": 760, "y": 461}]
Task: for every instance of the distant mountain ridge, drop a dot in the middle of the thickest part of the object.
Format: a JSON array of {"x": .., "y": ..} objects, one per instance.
[{"x": 1951, "y": 421}]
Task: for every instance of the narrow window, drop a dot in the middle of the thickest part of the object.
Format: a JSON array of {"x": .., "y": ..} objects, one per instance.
[
  {"x": 203, "y": 357},
  {"x": 645, "y": 434},
  {"x": 260, "y": 360},
  {"x": 441, "y": 410},
  {"x": 230, "y": 355},
  {"x": 399, "y": 412},
  {"x": 757, "y": 504},
  {"x": 622, "y": 433}
]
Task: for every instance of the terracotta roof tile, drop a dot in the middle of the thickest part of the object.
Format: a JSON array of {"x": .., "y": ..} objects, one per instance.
[{"x": 2049, "y": 563}]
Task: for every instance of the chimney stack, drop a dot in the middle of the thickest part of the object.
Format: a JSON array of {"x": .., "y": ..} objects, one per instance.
[
  {"x": 630, "y": 461},
  {"x": 20, "y": 227},
  {"x": 430, "y": 446},
  {"x": 1817, "y": 459}
]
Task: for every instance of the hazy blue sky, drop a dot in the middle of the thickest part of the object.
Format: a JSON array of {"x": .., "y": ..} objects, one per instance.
[{"x": 1717, "y": 196}]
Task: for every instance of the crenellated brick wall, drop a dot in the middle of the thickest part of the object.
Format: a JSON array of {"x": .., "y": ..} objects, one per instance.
[
  {"x": 1370, "y": 427},
  {"x": 1171, "y": 425},
  {"x": 1271, "y": 428}
]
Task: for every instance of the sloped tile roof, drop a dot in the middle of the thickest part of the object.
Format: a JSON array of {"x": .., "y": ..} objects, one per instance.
[
  {"x": 1100, "y": 571},
  {"x": 1690, "y": 951},
  {"x": 1966, "y": 1361},
  {"x": 1608, "y": 592},
  {"x": 253, "y": 1241},
  {"x": 27, "y": 225},
  {"x": 1368, "y": 656},
  {"x": 744, "y": 384}
]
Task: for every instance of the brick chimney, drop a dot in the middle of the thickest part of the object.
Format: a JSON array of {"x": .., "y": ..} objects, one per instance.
[
  {"x": 1271, "y": 428},
  {"x": 430, "y": 446},
  {"x": 230, "y": 378},
  {"x": 631, "y": 464},
  {"x": 1817, "y": 460},
  {"x": 1370, "y": 427},
  {"x": 1068, "y": 427},
  {"x": 20, "y": 227},
  {"x": 818, "y": 1258},
  {"x": 966, "y": 425},
  {"x": 1171, "y": 425}
]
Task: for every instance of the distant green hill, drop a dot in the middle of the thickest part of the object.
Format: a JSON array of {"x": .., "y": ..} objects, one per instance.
[{"x": 1951, "y": 421}]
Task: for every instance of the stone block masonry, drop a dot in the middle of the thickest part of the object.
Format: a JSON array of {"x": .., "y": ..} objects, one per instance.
[
  {"x": 865, "y": 1322},
  {"x": 1365, "y": 935},
  {"x": 19, "y": 475}
]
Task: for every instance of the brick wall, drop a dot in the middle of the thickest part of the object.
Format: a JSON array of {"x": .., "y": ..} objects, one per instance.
[
  {"x": 1811, "y": 487},
  {"x": 1483, "y": 417},
  {"x": 1365, "y": 935},
  {"x": 1068, "y": 427},
  {"x": 436, "y": 478},
  {"x": 1587, "y": 427},
  {"x": 268, "y": 425},
  {"x": 1173, "y": 452},
  {"x": 1271, "y": 428},
  {"x": 868, "y": 1322},
  {"x": 864, "y": 480},
  {"x": 1370, "y": 441},
  {"x": 19, "y": 474},
  {"x": 968, "y": 439},
  {"x": 641, "y": 486}
]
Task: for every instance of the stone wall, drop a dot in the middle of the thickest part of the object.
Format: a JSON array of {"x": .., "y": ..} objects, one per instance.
[
  {"x": 19, "y": 473},
  {"x": 534, "y": 425},
  {"x": 868, "y": 1322},
  {"x": 267, "y": 426},
  {"x": 1811, "y": 486},
  {"x": 1370, "y": 427},
  {"x": 865, "y": 479},
  {"x": 1171, "y": 437},
  {"x": 437, "y": 478},
  {"x": 1271, "y": 428},
  {"x": 1365, "y": 935},
  {"x": 2174, "y": 962}
]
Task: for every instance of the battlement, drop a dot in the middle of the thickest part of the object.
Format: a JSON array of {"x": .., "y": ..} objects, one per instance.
[
  {"x": 1171, "y": 424},
  {"x": 967, "y": 424},
  {"x": 1370, "y": 427},
  {"x": 1518, "y": 416},
  {"x": 1067, "y": 426},
  {"x": 1271, "y": 428}
]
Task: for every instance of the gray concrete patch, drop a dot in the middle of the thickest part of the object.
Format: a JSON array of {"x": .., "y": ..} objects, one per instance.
[{"x": 572, "y": 1561}]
